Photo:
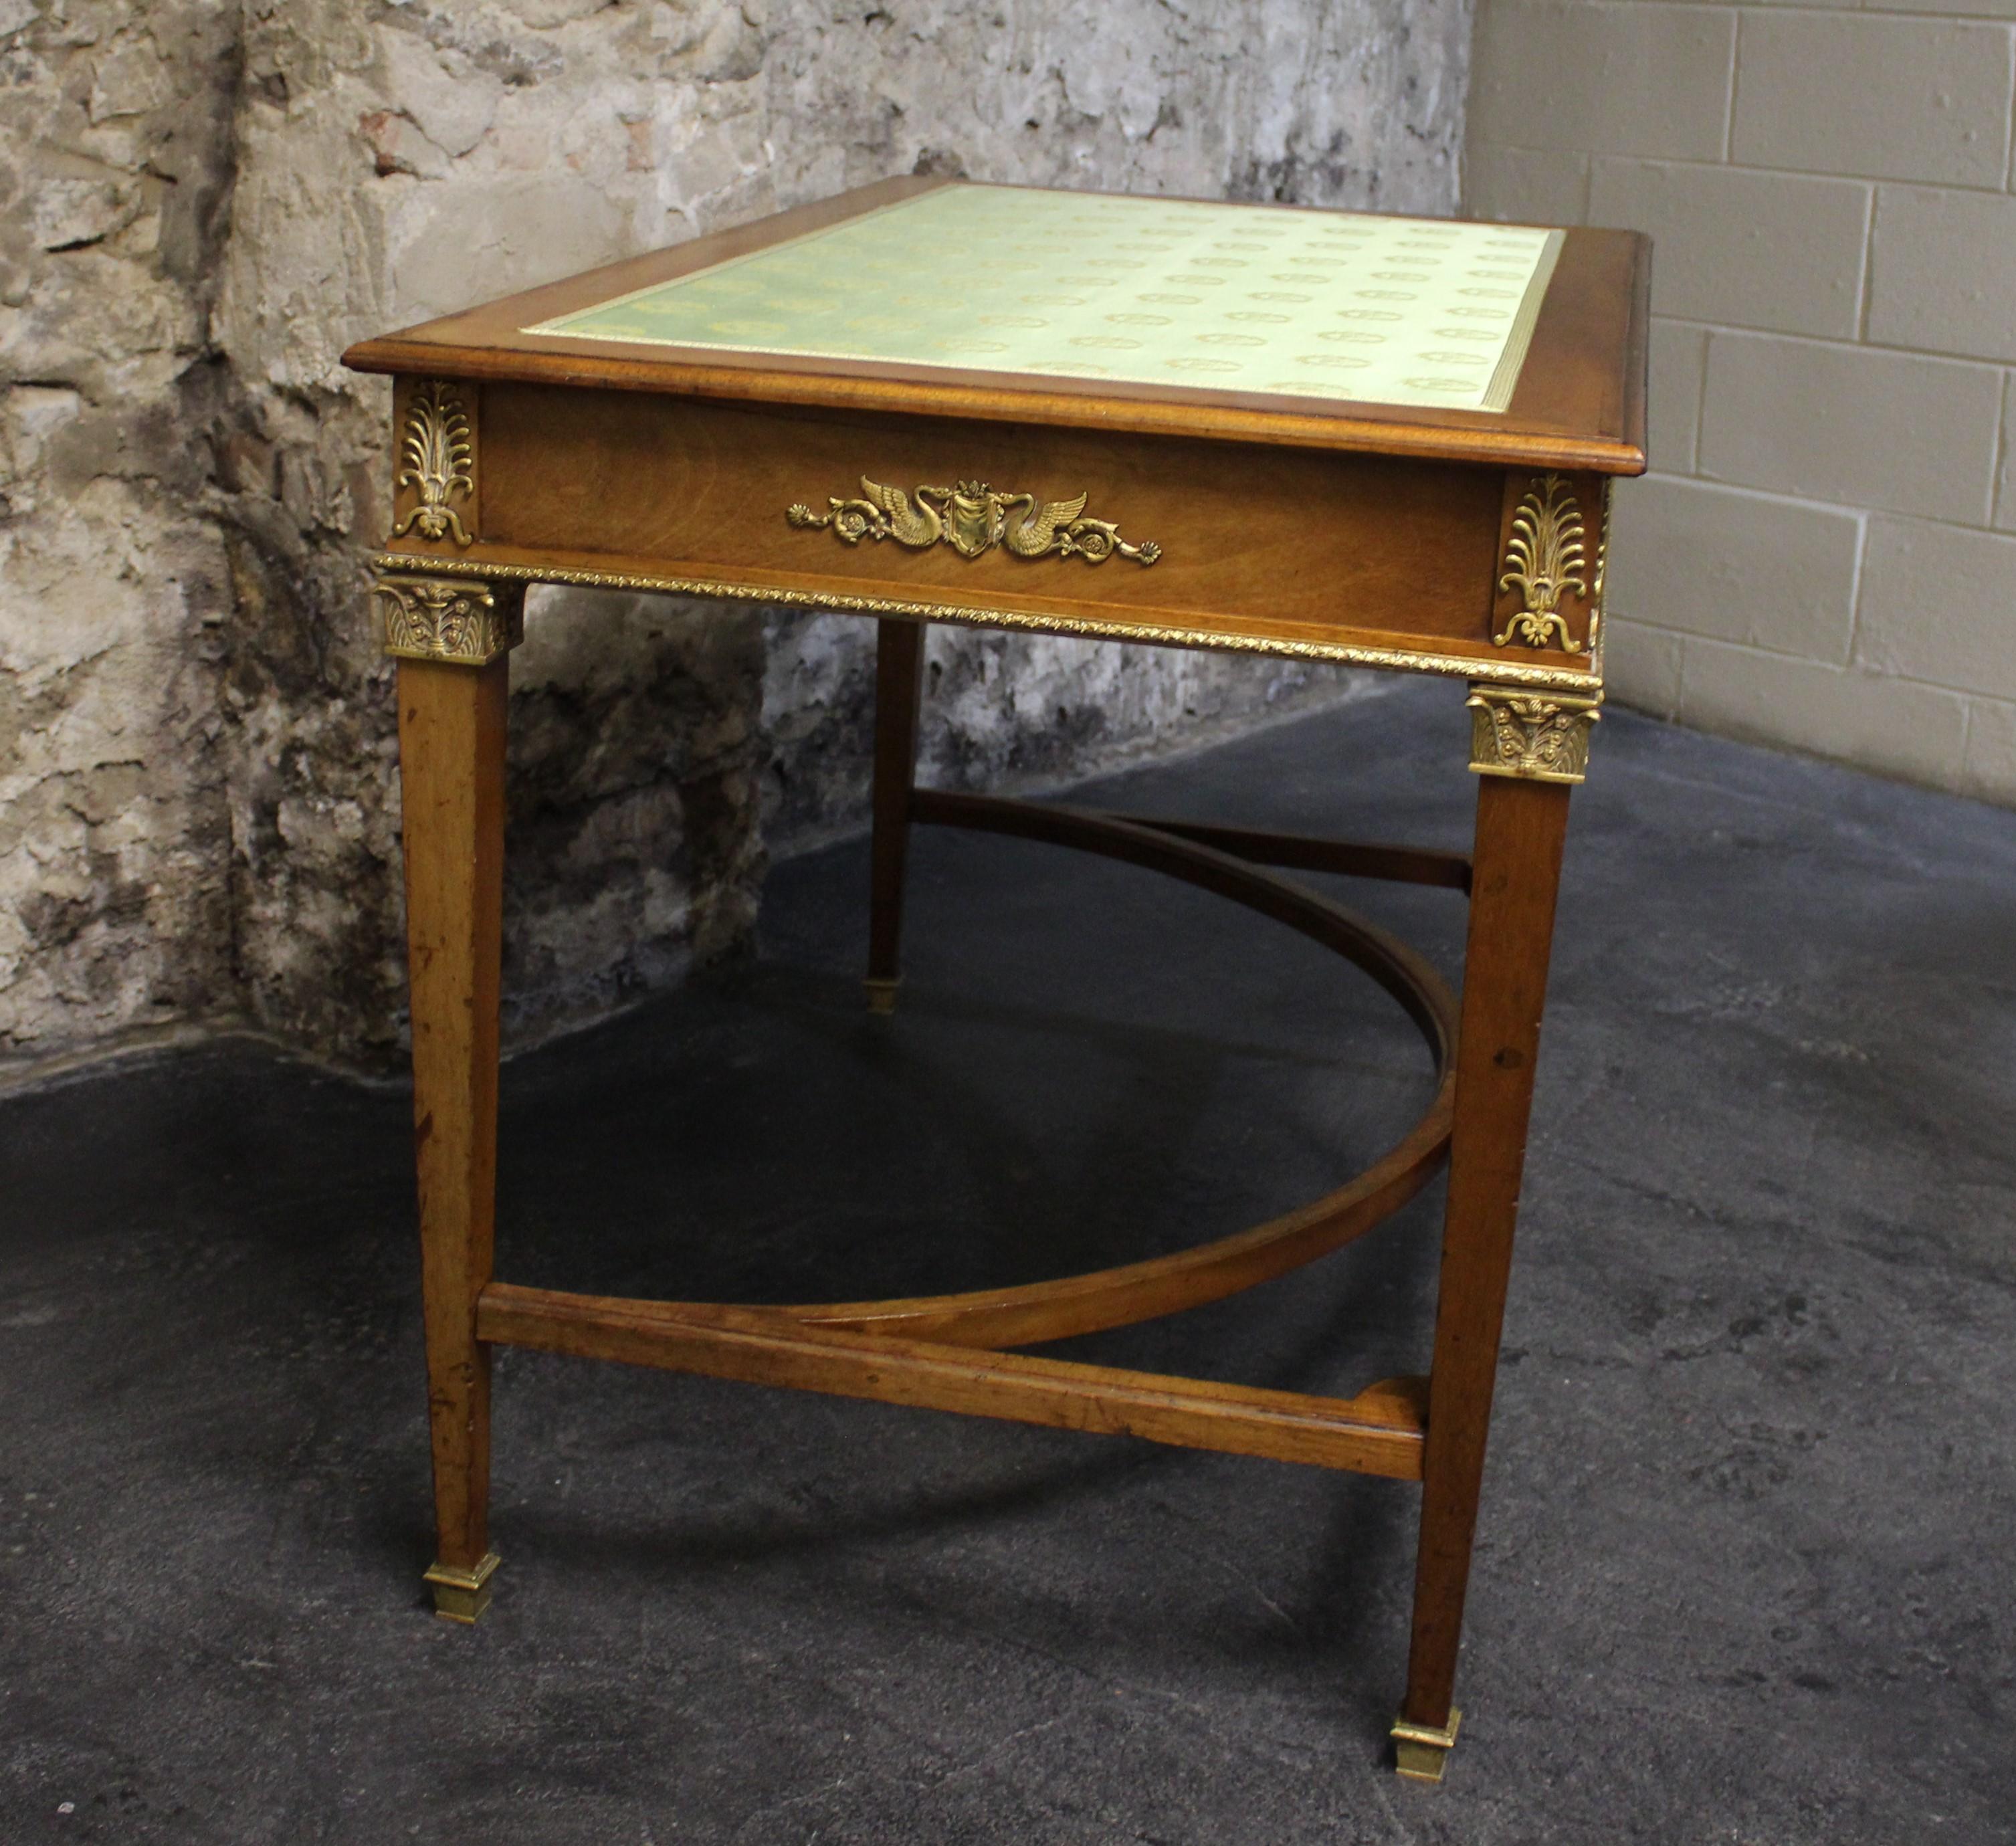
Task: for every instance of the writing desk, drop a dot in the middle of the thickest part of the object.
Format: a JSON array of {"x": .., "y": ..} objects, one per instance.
[{"x": 1382, "y": 441}]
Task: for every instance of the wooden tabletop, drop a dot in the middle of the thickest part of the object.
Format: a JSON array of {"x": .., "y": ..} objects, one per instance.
[{"x": 922, "y": 305}]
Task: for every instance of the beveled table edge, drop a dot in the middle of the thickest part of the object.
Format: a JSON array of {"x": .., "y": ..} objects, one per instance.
[{"x": 992, "y": 397}]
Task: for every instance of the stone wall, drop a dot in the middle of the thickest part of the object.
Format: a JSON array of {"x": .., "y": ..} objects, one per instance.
[
  {"x": 115, "y": 586},
  {"x": 202, "y": 203}
]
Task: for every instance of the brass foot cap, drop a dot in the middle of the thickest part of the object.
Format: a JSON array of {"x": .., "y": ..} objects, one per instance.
[
  {"x": 462, "y": 1592},
  {"x": 1420, "y": 1751},
  {"x": 882, "y": 994}
]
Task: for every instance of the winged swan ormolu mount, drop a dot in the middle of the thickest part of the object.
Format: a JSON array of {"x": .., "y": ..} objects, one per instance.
[{"x": 974, "y": 518}]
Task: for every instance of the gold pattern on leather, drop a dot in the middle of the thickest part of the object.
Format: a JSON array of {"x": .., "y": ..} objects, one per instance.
[{"x": 956, "y": 259}]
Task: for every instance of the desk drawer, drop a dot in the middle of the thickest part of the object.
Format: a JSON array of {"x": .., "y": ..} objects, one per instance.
[{"x": 1069, "y": 527}]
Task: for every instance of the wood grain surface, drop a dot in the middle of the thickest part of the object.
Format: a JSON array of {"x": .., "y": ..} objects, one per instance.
[
  {"x": 1258, "y": 543},
  {"x": 451, "y": 728},
  {"x": 1377, "y": 1432}
]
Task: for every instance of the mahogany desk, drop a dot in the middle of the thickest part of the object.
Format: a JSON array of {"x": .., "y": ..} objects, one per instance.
[{"x": 1376, "y": 440}]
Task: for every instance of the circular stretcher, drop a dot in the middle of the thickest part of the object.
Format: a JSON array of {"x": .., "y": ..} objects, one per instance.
[{"x": 1037, "y": 1311}]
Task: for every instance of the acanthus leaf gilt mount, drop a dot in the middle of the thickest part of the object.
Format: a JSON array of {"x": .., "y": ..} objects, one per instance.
[
  {"x": 437, "y": 458},
  {"x": 1538, "y": 736},
  {"x": 972, "y": 518},
  {"x": 1545, "y": 558},
  {"x": 456, "y": 621}
]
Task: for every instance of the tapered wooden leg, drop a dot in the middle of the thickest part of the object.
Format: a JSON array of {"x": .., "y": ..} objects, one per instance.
[
  {"x": 1520, "y": 826},
  {"x": 899, "y": 654},
  {"x": 451, "y": 728}
]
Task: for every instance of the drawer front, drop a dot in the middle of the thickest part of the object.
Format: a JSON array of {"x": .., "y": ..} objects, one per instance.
[{"x": 1069, "y": 527}]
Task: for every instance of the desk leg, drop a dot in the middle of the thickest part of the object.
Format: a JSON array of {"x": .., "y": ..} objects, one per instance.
[
  {"x": 452, "y": 728},
  {"x": 1520, "y": 826},
  {"x": 899, "y": 652}
]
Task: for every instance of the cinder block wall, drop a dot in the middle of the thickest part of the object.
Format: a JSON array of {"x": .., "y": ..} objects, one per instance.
[{"x": 1822, "y": 556}]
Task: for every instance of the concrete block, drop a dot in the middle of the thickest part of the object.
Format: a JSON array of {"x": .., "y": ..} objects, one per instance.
[
  {"x": 1630, "y": 79},
  {"x": 1641, "y": 666},
  {"x": 1888, "y": 99},
  {"x": 1986, "y": 9},
  {"x": 1939, "y": 604},
  {"x": 1890, "y": 725},
  {"x": 1525, "y": 185},
  {"x": 1736, "y": 566},
  {"x": 1776, "y": 250},
  {"x": 1851, "y": 425},
  {"x": 1943, "y": 271},
  {"x": 1988, "y": 765},
  {"x": 2004, "y": 519},
  {"x": 1678, "y": 362}
]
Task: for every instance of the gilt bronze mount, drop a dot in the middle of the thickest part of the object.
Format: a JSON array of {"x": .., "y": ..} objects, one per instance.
[
  {"x": 972, "y": 518},
  {"x": 1543, "y": 736},
  {"x": 438, "y": 450},
  {"x": 461, "y": 1593},
  {"x": 457, "y": 621},
  {"x": 1544, "y": 561},
  {"x": 1421, "y": 1751}
]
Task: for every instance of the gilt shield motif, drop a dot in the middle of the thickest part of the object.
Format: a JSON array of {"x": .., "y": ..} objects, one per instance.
[{"x": 975, "y": 518}]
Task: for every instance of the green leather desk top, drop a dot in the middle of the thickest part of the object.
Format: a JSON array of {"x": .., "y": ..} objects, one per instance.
[{"x": 1337, "y": 306}]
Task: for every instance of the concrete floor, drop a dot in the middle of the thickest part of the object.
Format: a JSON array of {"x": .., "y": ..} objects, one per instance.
[{"x": 1746, "y": 1571}]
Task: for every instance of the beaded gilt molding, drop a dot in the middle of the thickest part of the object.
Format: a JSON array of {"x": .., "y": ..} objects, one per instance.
[{"x": 1510, "y": 673}]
